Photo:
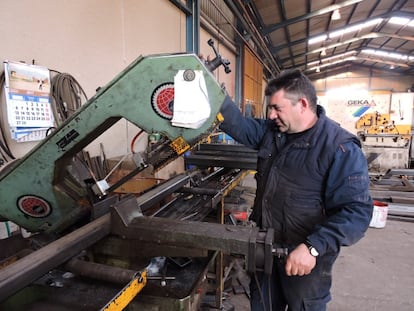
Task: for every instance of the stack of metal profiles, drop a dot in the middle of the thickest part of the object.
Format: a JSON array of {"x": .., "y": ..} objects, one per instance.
[
  {"x": 396, "y": 188},
  {"x": 223, "y": 155}
]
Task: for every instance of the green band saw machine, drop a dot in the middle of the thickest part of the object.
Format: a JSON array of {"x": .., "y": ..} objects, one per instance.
[{"x": 41, "y": 193}]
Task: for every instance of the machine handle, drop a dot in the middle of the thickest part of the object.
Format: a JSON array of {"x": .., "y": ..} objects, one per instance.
[{"x": 218, "y": 60}]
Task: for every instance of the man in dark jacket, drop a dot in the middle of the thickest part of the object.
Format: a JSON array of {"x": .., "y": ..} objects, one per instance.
[{"x": 312, "y": 189}]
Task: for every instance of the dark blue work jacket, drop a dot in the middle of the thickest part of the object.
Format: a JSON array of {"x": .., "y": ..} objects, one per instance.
[{"x": 314, "y": 187}]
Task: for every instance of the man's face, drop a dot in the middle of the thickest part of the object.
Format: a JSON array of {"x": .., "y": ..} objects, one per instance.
[{"x": 286, "y": 113}]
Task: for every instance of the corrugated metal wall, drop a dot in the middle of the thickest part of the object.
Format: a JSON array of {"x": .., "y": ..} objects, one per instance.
[{"x": 219, "y": 15}]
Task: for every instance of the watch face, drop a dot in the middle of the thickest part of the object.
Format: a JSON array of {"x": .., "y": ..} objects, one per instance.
[{"x": 313, "y": 252}]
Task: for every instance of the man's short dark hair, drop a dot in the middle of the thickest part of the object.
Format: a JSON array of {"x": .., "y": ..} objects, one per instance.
[{"x": 295, "y": 84}]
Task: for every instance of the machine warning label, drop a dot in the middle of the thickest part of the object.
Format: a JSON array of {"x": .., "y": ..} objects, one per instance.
[{"x": 34, "y": 206}]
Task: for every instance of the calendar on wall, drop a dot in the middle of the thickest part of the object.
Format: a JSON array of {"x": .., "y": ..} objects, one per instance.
[{"x": 29, "y": 108}]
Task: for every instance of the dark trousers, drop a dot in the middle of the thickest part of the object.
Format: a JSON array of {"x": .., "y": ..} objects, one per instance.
[{"x": 296, "y": 293}]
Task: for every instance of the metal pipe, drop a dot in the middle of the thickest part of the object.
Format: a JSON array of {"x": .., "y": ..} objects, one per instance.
[{"x": 100, "y": 272}]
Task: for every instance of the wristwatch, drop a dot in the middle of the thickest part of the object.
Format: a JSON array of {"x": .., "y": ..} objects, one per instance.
[{"x": 313, "y": 251}]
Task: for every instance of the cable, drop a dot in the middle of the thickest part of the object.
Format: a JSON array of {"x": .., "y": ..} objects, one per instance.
[
  {"x": 134, "y": 140},
  {"x": 49, "y": 131},
  {"x": 67, "y": 95},
  {"x": 260, "y": 291},
  {"x": 269, "y": 291}
]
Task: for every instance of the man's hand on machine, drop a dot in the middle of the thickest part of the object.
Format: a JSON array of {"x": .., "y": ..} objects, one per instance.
[{"x": 300, "y": 262}]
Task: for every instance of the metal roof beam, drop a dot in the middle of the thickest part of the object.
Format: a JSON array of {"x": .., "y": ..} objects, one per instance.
[
  {"x": 323, "y": 11},
  {"x": 300, "y": 41},
  {"x": 361, "y": 58},
  {"x": 386, "y": 15},
  {"x": 282, "y": 8},
  {"x": 382, "y": 61},
  {"x": 383, "y": 16},
  {"x": 371, "y": 35},
  {"x": 344, "y": 57}
]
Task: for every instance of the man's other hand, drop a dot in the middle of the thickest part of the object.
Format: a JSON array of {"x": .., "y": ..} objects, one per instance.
[{"x": 300, "y": 262}]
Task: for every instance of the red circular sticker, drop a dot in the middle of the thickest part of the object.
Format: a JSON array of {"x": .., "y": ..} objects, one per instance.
[
  {"x": 34, "y": 206},
  {"x": 163, "y": 100}
]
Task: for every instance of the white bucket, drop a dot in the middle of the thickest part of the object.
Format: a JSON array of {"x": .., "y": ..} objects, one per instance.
[{"x": 379, "y": 215}]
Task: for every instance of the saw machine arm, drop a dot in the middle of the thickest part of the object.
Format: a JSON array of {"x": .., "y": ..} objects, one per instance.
[{"x": 40, "y": 191}]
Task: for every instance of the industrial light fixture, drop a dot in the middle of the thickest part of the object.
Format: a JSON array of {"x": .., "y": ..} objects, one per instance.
[
  {"x": 331, "y": 58},
  {"x": 323, "y": 52},
  {"x": 402, "y": 21},
  {"x": 392, "y": 67},
  {"x": 380, "y": 53},
  {"x": 336, "y": 15},
  {"x": 322, "y": 65},
  {"x": 317, "y": 39},
  {"x": 343, "y": 31},
  {"x": 354, "y": 28}
]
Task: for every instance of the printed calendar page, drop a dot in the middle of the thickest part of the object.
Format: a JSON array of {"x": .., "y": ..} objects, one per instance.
[
  {"x": 28, "y": 100},
  {"x": 29, "y": 111}
]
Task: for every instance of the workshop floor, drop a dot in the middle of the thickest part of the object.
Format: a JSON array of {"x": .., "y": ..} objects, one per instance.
[{"x": 376, "y": 274}]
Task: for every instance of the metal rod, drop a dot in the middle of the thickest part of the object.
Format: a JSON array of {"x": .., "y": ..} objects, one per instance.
[
  {"x": 127, "y": 177},
  {"x": 155, "y": 195},
  {"x": 212, "y": 174},
  {"x": 165, "y": 206},
  {"x": 115, "y": 166}
]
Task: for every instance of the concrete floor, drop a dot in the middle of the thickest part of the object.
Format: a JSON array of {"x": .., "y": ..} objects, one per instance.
[{"x": 376, "y": 274}]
